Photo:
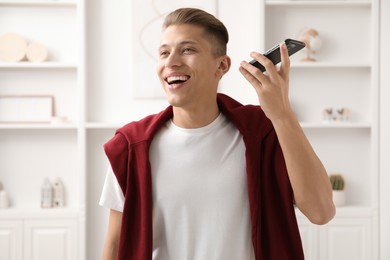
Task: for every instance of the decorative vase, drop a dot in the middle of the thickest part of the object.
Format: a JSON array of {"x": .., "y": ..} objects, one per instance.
[
  {"x": 4, "y": 201},
  {"x": 339, "y": 197},
  {"x": 46, "y": 194}
]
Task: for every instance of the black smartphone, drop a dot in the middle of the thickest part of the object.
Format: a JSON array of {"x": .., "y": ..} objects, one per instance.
[{"x": 274, "y": 53}]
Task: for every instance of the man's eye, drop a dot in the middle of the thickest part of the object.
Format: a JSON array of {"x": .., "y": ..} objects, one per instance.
[
  {"x": 188, "y": 50},
  {"x": 164, "y": 53}
]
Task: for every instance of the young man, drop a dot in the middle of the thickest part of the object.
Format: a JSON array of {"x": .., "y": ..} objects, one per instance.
[{"x": 209, "y": 178}]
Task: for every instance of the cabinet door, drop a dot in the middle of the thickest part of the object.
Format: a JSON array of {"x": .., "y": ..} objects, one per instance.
[
  {"x": 50, "y": 239},
  {"x": 310, "y": 237},
  {"x": 11, "y": 239},
  {"x": 347, "y": 239}
]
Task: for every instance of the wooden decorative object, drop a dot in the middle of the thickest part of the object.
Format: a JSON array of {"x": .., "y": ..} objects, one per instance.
[
  {"x": 58, "y": 194},
  {"x": 313, "y": 42},
  {"x": 12, "y": 47},
  {"x": 36, "y": 52}
]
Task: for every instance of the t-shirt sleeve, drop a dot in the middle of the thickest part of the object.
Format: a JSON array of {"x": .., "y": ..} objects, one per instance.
[
  {"x": 112, "y": 195},
  {"x": 117, "y": 153}
]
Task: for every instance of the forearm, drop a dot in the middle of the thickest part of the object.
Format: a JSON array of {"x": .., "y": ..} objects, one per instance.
[
  {"x": 110, "y": 252},
  {"x": 110, "y": 249},
  {"x": 308, "y": 177},
  {"x": 309, "y": 180}
]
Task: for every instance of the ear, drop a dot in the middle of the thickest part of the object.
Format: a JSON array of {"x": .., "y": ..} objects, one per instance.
[{"x": 224, "y": 65}]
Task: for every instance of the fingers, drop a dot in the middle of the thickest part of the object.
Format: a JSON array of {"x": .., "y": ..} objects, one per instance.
[
  {"x": 285, "y": 67},
  {"x": 270, "y": 68},
  {"x": 253, "y": 75},
  {"x": 267, "y": 63},
  {"x": 258, "y": 78},
  {"x": 252, "y": 70}
]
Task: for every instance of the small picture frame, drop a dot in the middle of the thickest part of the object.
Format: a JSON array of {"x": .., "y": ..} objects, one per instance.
[{"x": 26, "y": 108}]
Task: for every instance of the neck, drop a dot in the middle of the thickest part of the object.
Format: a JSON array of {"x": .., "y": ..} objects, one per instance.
[{"x": 195, "y": 118}]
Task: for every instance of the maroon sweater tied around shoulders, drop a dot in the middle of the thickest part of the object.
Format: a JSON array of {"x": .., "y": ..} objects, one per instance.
[{"x": 275, "y": 234}]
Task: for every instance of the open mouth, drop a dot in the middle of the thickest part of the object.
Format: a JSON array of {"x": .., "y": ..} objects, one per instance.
[{"x": 174, "y": 80}]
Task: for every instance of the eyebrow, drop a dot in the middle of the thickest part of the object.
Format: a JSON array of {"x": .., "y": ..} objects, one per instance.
[{"x": 180, "y": 43}]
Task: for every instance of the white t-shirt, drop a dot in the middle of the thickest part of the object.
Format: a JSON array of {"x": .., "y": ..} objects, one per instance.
[{"x": 200, "y": 195}]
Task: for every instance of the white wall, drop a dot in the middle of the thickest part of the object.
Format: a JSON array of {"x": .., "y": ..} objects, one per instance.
[{"x": 242, "y": 19}]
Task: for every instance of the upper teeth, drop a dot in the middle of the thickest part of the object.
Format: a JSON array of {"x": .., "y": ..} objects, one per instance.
[{"x": 176, "y": 78}]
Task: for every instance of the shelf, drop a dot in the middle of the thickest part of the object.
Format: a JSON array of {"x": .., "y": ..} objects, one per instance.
[
  {"x": 355, "y": 210},
  {"x": 53, "y": 3},
  {"x": 36, "y": 65},
  {"x": 38, "y": 126},
  {"x": 335, "y": 125},
  {"x": 319, "y": 125},
  {"x": 66, "y": 212},
  {"x": 104, "y": 125},
  {"x": 329, "y": 65},
  {"x": 319, "y": 3},
  {"x": 349, "y": 211}
]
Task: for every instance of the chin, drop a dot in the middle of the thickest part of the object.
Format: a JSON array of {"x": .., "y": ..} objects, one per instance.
[{"x": 175, "y": 101}]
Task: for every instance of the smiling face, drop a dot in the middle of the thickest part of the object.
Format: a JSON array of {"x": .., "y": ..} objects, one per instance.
[{"x": 188, "y": 70}]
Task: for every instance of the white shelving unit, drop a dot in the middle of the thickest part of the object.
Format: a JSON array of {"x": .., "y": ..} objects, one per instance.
[
  {"x": 344, "y": 75},
  {"x": 32, "y": 152}
]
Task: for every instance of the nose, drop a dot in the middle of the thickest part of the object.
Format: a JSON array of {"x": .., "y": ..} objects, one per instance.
[{"x": 173, "y": 60}]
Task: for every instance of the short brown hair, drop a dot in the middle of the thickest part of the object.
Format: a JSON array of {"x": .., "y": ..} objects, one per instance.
[{"x": 214, "y": 28}]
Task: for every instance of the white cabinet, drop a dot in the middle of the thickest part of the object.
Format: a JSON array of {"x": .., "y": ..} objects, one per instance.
[
  {"x": 349, "y": 236},
  {"x": 11, "y": 239},
  {"x": 38, "y": 238},
  {"x": 50, "y": 239},
  {"x": 310, "y": 238}
]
